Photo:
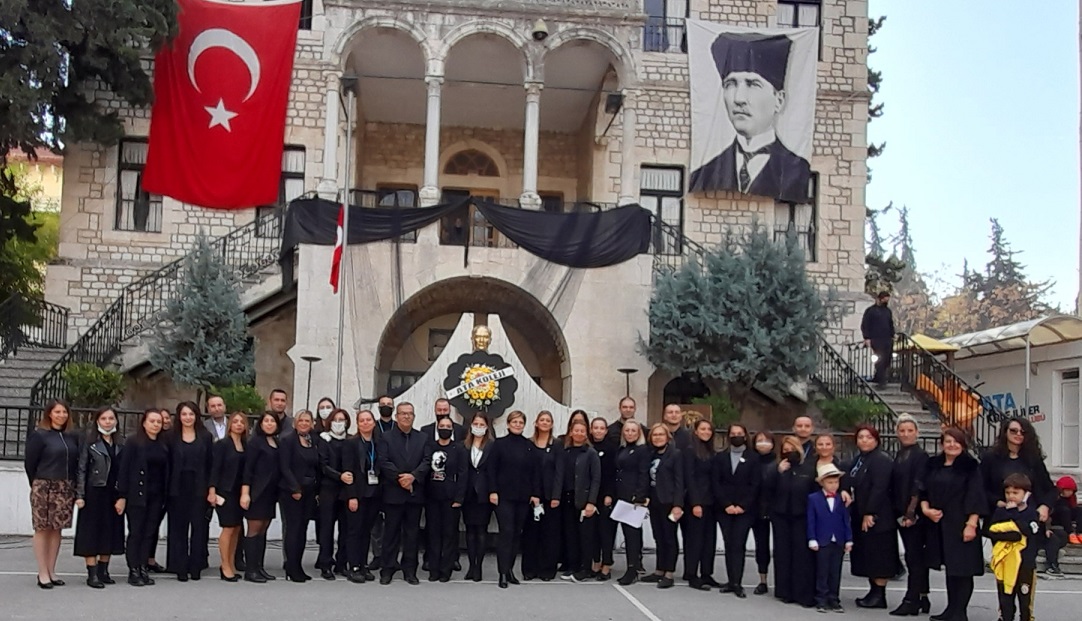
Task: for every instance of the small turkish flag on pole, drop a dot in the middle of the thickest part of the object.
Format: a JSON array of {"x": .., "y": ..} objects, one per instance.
[
  {"x": 221, "y": 89},
  {"x": 336, "y": 260}
]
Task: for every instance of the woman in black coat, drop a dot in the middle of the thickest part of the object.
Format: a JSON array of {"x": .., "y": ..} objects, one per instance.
[
  {"x": 226, "y": 474},
  {"x": 953, "y": 499},
  {"x": 737, "y": 477},
  {"x": 578, "y": 477},
  {"x": 259, "y": 495},
  {"x": 190, "y": 503},
  {"x": 361, "y": 459},
  {"x": 51, "y": 464},
  {"x": 332, "y": 494},
  {"x": 702, "y": 531},
  {"x": 142, "y": 489},
  {"x": 515, "y": 487},
  {"x": 665, "y": 502},
  {"x": 633, "y": 487},
  {"x": 476, "y": 508},
  {"x": 909, "y": 465},
  {"x": 444, "y": 494},
  {"x": 605, "y": 535},
  {"x": 792, "y": 481},
  {"x": 542, "y": 542},
  {"x": 99, "y": 532},
  {"x": 299, "y": 485},
  {"x": 875, "y": 533},
  {"x": 760, "y": 529},
  {"x": 1018, "y": 451}
]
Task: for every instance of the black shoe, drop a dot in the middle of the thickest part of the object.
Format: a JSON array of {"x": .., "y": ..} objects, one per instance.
[
  {"x": 629, "y": 577},
  {"x": 253, "y": 575},
  {"x": 665, "y": 583},
  {"x": 925, "y": 604},
  {"x": 603, "y": 577},
  {"x": 876, "y": 598},
  {"x": 196, "y": 575},
  {"x": 412, "y": 579},
  {"x": 478, "y": 575},
  {"x": 651, "y": 578},
  {"x": 134, "y": 578},
  {"x": 526, "y": 577},
  {"x": 946, "y": 615},
  {"x": 356, "y": 576},
  {"x": 266, "y": 576},
  {"x": 424, "y": 566},
  {"x": 374, "y": 565},
  {"x": 240, "y": 565},
  {"x": 739, "y": 592},
  {"x": 727, "y": 588},
  {"x": 225, "y": 578},
  {"x": 698, "y": 585},
  {"x": 710, "y": 582},
  {"x": 103, "y": 573},
  {"x": 327, "y": 574},
  {"x": 762, "y": 589},
  {"x": 433, "y": 576},
  {"x": 155, "y": 568},
  {"x": 457, "y": 566},
  {"x": 906, "y": 609},
  {"x": 57, "y": 582},
  {"x": 385, "y": 578},
  {"x": 92, "y": 579},
  {"x": 49, "y": 585},
  {"x": 145, "y": 573},
  {"x": 295, "y": 577},
  {"x": 182, "y": 577},
  {"x": 511, "y": 578},
  {"x": 503, "y": 581}
]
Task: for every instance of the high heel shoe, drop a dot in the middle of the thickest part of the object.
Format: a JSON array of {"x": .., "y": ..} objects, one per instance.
[
  {"x": 225, "y": 578},
  {"x": 906, "y": 609}
]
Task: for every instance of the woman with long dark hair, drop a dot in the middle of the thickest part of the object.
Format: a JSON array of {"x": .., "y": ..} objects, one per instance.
[
  {"x": 909, "y": 464},
  {"x": 226, "y": 475},
  {"x": 793, "y": 481},
  {"x": 541, "y": 538},
  {"x": 299, "y": 484},
  {"x": 332, "y": 493},
  {"x": 515, "y": 487},
  {"x": 605, "y": 538},
  {"x": 190, "y": 502},
  {"x": 259, "y": 495},
  {"x": 361, "y": 459},
  {"x": 952, "y": 500},
  {"x": 1017, "y": 451},
  {"x": 476, "y": 508},
  {"x": 702, "y": 539},
  {"x": 666, "y": 502},
  {"x": 736, "y": 479},
  {"x": 51, "y": 464},
  {"x": 99, "y": 532},
  {"x": 142, "y": 490},
  {"x": 760, "y": 529},
  {"x": 633, "y": 487},
  {"x": 152, "y": 548},
  {"x": 325, "y": 409},
  {"x": 875, "y": 533},
  {"x": 579, "y": 478}
]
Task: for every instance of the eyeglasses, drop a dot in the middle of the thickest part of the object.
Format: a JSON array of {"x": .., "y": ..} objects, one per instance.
[{"x": 1016, "y": 430}]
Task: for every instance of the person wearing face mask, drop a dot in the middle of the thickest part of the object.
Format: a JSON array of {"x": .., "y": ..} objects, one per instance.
[
  {"x": 737, "y": 478},
  {"x": 298, "y": 487},
  {"x": 794, "y": 563},
  {"x": 99, "y": 532},
  {"x": 476, "y": 509},
  {"x": 324, "y": 408},
  {"x": 385, "y": 408},
  {"x": 442, "y": 410},
  {"x": 363, "y": 497},
  {"x": 190, "y": 450},
  {"x": 666, "y": 503},
  {"x": 444, "y": 495},
  {"x": 385, "y": 423},
  {"x": 760, "y": 529},
  {"x": 332, "y": 495},
  {"x": 606, "y": 446}
]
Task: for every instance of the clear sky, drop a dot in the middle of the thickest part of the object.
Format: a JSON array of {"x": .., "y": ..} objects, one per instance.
[{"x": 981, "y": 121}]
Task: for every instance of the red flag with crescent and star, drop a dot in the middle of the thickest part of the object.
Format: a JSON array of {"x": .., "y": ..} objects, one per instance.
[
  {"x": 336, "y": 258},
  {"x": 221, "y": 89}
]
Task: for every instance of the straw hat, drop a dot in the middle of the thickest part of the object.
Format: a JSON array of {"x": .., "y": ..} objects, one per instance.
[{"x": 827, "y": 471}]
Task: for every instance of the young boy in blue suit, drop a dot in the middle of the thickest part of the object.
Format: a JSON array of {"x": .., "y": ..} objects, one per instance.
[{"x": 830, "y": 536}]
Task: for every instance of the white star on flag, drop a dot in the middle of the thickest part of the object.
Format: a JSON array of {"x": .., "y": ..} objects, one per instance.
[{"x": 220, "y": 116}]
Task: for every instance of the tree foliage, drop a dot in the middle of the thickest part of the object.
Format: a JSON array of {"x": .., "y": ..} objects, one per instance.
[
  {"x": 202, "y": 340},
  {"x": 749, "y": 317},
  {"x": 875, "y": 82},
  {"x": 25, "y": 253}
]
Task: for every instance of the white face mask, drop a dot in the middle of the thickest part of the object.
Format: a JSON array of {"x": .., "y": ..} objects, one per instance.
[
  {"x": 763, "y": 445},
  {"x": 106, "y": 432},
  {"x": 338, "y": 427},
  {"x": 325, "y": 412},
  {"x": 478, "y": 431}
]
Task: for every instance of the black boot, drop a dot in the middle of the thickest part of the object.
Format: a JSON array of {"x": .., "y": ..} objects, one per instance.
[
  {"x": 503, "y": 581},
  {"x": 252, "y": 573},
  {"x": 92, "y": 579},
  {"x": 629, "y": 577},
  {"x": 238, "y": 559},
  {"x": 261, "y": 557},
  {"x": 876, "y": 598},
  {"x": 103, "y": 573},
  {"x": 135, "y": 578},
  {"x": 906, "y": 609},
  {"x": 144, "y": 572},
  {"x": 925, "y": 604}
]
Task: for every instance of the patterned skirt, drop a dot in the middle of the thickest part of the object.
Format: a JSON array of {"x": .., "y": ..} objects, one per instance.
[{"x": 52, "y": 504}]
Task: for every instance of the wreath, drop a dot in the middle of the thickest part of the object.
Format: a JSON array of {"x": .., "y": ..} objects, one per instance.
[{"x": 492, "y": 397}]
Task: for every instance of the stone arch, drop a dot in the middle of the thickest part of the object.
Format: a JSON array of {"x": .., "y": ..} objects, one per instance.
[
  {"x": 517, "y": 39},
  {"x": 473, "y": 144},
  {"x": 372, "y": 22},
  {"x": 624, "y": 61}
]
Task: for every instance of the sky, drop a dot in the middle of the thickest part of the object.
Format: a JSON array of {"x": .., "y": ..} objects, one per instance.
[{"x": 981, "y": 121}]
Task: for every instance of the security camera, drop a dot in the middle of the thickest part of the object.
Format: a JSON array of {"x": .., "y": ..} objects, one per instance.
[{"x": 540, "y": 30}]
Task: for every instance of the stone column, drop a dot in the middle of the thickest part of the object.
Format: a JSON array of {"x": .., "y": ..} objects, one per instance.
[
  {"x": 329, "y": 183},
  {"x": 430, "y": 191},
  {"x": 629, "y": 191},
  {"x": 530, "y": 198}
]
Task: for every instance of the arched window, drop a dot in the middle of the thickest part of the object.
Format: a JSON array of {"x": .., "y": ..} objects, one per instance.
[{"x": 471, "y": 162}]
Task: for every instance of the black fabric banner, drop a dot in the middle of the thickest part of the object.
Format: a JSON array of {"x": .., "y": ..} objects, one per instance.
[{"x": 578, "y": 239}]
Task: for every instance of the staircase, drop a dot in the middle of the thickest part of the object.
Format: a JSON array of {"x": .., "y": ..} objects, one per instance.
[
  {"x": 1070, "y": 561},
  {"x": 18, "y": 373},
  {"x": 903, "y": 402},
  {"x": 33, "y": 335}
]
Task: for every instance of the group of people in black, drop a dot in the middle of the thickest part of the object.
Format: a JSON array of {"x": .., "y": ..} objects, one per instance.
[{"x": 552, "y": 497}]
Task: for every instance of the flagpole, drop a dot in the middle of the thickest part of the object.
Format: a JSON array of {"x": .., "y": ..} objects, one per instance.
[{"x": 348, "y": 84}]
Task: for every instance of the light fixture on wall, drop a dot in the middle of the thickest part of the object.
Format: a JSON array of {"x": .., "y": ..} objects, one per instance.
[
  {"x": 540, "y": 31},
  {"x": 308, "y": 392},
  {"x": 614, "y": 102},
  {"x": 627, "y": 379}
]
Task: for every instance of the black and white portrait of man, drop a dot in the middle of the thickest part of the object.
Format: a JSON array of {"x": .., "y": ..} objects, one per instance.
[{"x": 753, "y": 108}]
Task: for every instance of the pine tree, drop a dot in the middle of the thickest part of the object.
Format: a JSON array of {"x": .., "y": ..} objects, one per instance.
[
  {"x": 749, "y": 317},
  {"x": 912, "y": 301},
  {"x": 1006, "y": 295},
  {"x": 202, "y": 340},
  {"x": 880, "y": 271},
  {"x": 875, "y": 82}
]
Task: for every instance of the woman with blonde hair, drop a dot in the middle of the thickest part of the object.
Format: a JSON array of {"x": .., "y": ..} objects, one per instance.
[
  {"x": 794, "y": 564},
  {"x": 541, "y": 543}
]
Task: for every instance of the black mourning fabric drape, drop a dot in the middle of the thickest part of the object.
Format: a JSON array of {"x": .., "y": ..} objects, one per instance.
[{"x": 579, "y": 239}]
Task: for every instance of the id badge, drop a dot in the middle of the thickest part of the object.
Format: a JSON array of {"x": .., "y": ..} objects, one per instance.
[{"x": 373, "y": 478}]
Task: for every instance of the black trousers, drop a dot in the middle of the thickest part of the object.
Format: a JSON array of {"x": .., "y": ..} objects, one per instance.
[
  {"x": 794, "y": 563},
  {"x": 884, "y": 350},
  {"x": 296, "y": 514},
  {"x": 1023, "y": 593},
  {"x": 604, "y": 535},
  {"x": 760, "y": 530},
  {"x": 578, "y": 535},
  {"x": 402, "y": 528},
  {"x": 917, "y": 569},
  {"x": 189, "y": 530},
  {"x": 441, "y": 526},
  {"x": 828, "y": 574},
  {"x": 959, "y": 592},
  {"x": 700, "y": 544},
  {"x": 632, "y": 546},
  {"x": 542, "y": 544},
  {"x": 664, "y": 536},
  {"x": 143, "y": 523},
  {"x": 359, "y": 525},
  {"x": 476, "y": 542},
  {"x": 734, "y": 532},
  {"x": 331, "y": 514},
  {"x": 1053, "y": 545},
  {"x": 511, "y": 517},
  {"x": 682, "y": 525},
  {"x": 152, "y": 545}
]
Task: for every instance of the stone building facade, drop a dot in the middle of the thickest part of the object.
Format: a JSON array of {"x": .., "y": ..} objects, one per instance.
[{"x": 453, "y": 97}]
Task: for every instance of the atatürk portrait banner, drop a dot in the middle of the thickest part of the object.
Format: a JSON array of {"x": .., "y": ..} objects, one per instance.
[{"x": 752, "y": 109}]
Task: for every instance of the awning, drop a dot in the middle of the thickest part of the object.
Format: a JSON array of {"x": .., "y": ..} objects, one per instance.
[
  {"x": 1045, "y": 331},
  {"x": 934, "y": 346}
]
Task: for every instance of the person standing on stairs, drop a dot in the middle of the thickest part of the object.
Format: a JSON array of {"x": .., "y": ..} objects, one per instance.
[{"x": 877, "y": 327}]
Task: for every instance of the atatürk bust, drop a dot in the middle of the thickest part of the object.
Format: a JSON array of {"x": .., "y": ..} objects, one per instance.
[{"x": 482, "y": 337}]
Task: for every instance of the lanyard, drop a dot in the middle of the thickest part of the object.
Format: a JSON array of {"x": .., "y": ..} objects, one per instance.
[{"x": 372, "y": 455}]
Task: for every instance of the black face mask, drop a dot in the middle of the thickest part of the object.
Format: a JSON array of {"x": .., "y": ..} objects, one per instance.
[
  {"x": 385, "y": 411},
  {"x": 793, "y": 457},
  {"x": 445, "y": 434},
  {"x": 738, "y": 441}
]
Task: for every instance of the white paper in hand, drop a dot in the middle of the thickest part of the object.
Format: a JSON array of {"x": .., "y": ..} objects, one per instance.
[{"x": 627, "y": 513}]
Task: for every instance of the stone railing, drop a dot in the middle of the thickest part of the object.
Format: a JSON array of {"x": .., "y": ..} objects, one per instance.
[{"x": 622, "y": 8}]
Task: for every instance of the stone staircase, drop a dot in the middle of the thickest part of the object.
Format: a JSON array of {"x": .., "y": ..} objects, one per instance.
[
  {"x": 20, "y": 371},
  {"x": 1070, "y": 561},
  {"x": 904, "y": 402}
]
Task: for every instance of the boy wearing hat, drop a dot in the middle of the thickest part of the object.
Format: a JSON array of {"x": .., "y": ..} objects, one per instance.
[{"x": 830, "y": 536}]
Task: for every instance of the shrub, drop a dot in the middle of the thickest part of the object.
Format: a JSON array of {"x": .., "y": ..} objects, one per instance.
[
  {"x": 846, "y": 413},
  {"x": 722, "y": 410},
  {"x": 92, "y": 386},
  {"x": 241, "y": 398}
]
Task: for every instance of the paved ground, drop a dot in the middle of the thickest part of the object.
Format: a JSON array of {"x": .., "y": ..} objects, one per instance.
[{"x": 1058, "y": 600}]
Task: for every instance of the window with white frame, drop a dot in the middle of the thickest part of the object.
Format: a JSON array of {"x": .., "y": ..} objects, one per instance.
[
  {"x": 136, "y": 209},
  {"x": 798, "y": 13},
  {"x": 1069, "y": 428},
  {"x": 290, "y": 186},
  {"x": 661, "y": 191},
  {"x": 801, "y": 219}
]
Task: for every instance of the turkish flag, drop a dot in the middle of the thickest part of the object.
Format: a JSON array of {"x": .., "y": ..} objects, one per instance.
[
  {"x": 336, "y": 259},
  {"x": 221, "y": 89}
]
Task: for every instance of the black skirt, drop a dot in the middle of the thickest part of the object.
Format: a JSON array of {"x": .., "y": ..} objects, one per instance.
[
  {"x": 476, "y": 513},
  {"x": 230, "y": 514},
  {"x": 262, "y": 506},
  {"x": 98, "y": 529},
  {"x": 874, "y": 555}
]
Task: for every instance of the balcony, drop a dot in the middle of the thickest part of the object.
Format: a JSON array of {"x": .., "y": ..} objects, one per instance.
[
  {"x": 616, "y": 8},
  {"x": 667, "y": 35}
]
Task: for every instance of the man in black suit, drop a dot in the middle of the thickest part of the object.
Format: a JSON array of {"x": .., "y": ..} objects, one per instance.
[
  {"x": 877, "y": 327},
  {"x": 405, "y": 459},
  {"x": 443, "y": 410},
  {"x": 753, "y": 68}
]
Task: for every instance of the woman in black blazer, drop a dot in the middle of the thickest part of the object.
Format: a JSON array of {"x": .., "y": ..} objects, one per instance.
[
  {"x": 702, "y": 538},
  {"x": 190, "y": 503},
  {"x": 360, "y": 458},
  {"x": 665, "y": 502},
  {"x": 259, "y": 495},
  {"x": 578, "y": 477},
  {"x": 515, "y": 486},
  {"x": 476, "y": 508},
  {"x": 51, "y": 464},
  {"x": 541, "y": 541},
  {"x": 444, "y": 495},
  {"x": 909, "y": 464},
  {"x": 792, "y": 481},
  {"x": 606, "y": 446},
  {"x": 332, "y": 494},
  {"x": 99, "y": 533},
  {"x": 632, "y": 486},
  {"x": 760, "y": 529},
  {"x": 737, "y": 477},
  {"x": 875, "y": 533},
  {"x": 226, "y": 474},
  {"x": 142, "y": 489},
  {"x": 299, "y": 485}
]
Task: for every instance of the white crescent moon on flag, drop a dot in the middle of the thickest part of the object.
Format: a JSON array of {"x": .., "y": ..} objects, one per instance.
[{"x": 219, "y": 37}]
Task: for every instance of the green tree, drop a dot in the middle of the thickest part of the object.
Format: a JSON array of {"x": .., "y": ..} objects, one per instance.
[
  {"x": 202, "y": 340},
  {"x": 749, "y": 317},
  {"x": 913, "y": 302},
  {"x": 1005, "y": 293},
  {"x": 881, "y": 272},
  {"x": 875, "y": 82}
]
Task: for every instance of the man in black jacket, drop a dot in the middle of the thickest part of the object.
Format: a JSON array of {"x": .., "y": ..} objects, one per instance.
[
  {"x": 442, "y": 409},
  {"x": 405, "y": 459},
  {"x": 877, "y": 326}
]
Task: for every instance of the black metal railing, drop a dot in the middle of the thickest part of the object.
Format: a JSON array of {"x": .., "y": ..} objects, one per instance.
[
  {"x": 17, "y": 421},
  {"x": 665, "y": 34},
  {"x": 141, "y": 304},
  {"x": 837, "y": 379},
  {"x": 939, "y": 389},
  {"x": 671, "y": 249},
  {"x": 29, "y": 321}
]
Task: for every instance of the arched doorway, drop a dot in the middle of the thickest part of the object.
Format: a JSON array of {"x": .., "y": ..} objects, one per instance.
[{"x": 685, "y": 388}]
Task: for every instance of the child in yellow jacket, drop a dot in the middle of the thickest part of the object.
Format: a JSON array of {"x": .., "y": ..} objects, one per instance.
[{"x": 1017, "y": 533}]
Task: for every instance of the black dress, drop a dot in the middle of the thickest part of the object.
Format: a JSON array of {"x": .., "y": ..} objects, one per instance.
[
  {"x": 261, "y": 474},
  {"x": 99, "y": 531},
  {"x": 875, "y": 552},
  {"x": 226, "y": 476},
  {"x": 955, "y": 490}
]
